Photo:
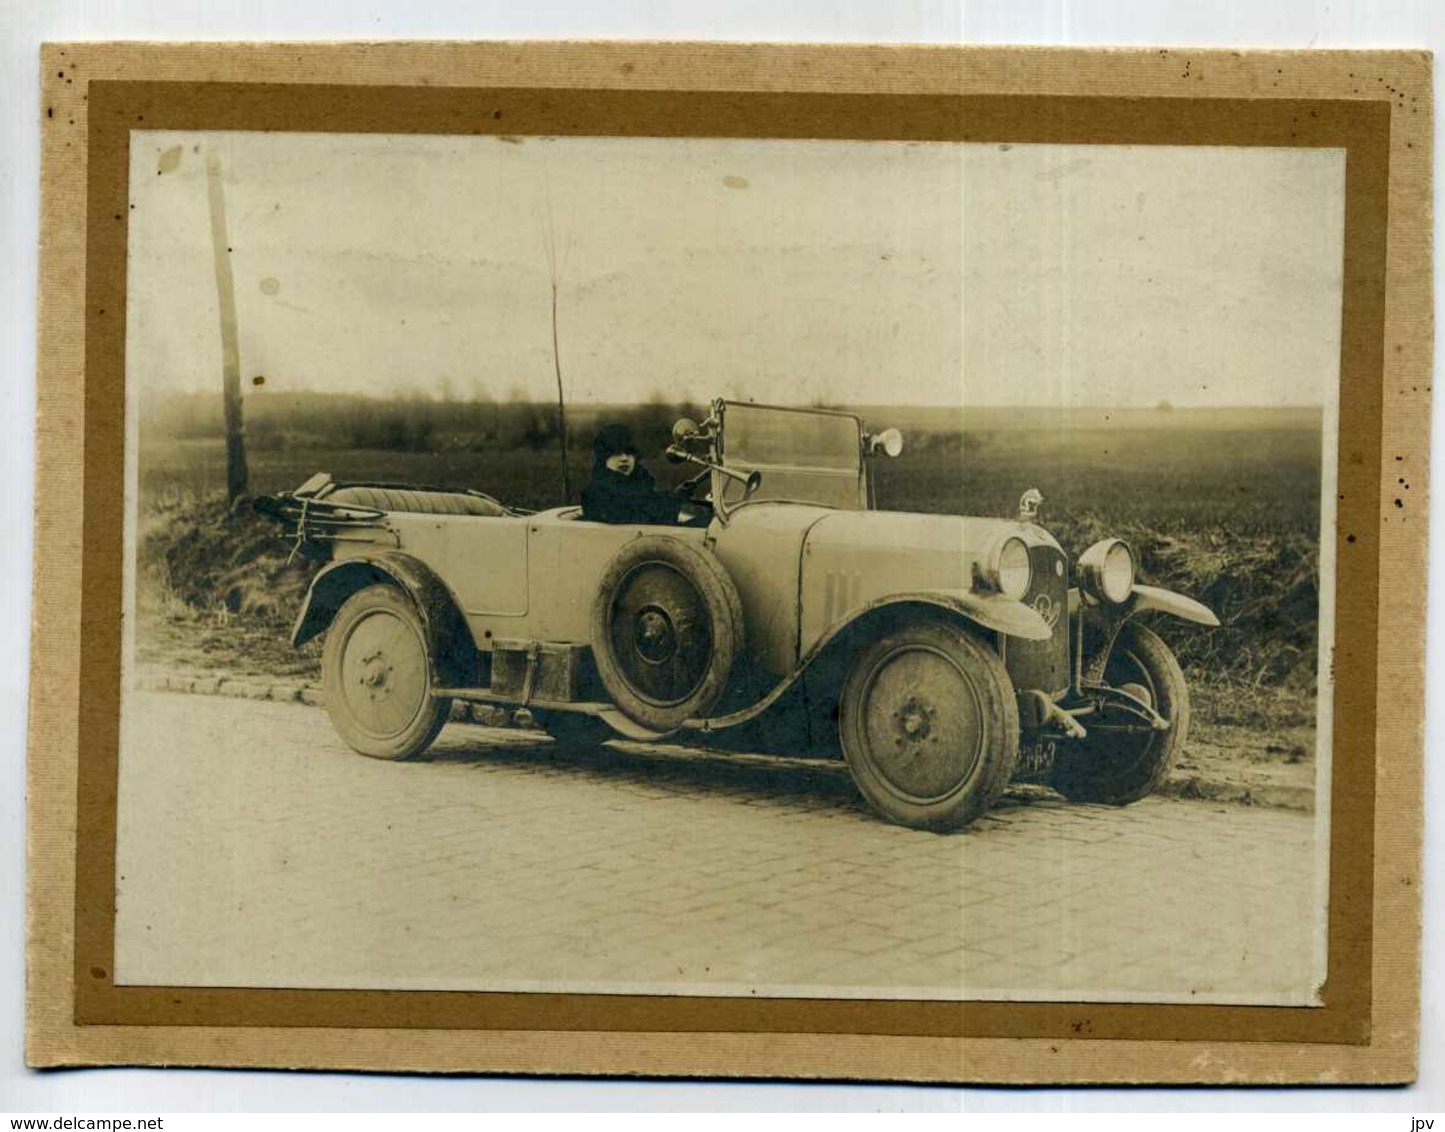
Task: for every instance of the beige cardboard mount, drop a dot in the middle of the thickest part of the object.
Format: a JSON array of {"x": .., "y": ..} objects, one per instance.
[{"x": 1373, "y": 105}]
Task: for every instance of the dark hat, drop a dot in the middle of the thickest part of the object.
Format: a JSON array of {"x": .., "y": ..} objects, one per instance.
[{"x": 613, "y": 440}]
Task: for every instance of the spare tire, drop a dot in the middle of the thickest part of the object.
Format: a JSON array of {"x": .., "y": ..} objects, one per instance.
[{"x": 667, "y": 625}]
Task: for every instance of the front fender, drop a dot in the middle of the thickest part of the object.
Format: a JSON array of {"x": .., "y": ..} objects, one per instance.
[
  {"x": 452, "y": 652},
  {"x": 1151, "y": 599},
  {"x": 1105, "y": 622},
  {"x": 989, "y": 611},
  {"x": 993, "y": 611}
]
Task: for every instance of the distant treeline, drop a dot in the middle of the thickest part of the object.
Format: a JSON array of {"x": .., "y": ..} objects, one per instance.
[
  {"x": 412, "y": 423},
  {"x": 422, "y": 423}
]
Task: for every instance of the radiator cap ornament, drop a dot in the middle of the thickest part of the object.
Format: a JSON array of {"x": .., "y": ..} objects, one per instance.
[{"x": 1029, "y": 505}]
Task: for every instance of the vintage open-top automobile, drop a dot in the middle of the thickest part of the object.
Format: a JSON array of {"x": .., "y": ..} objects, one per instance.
[{"x": 945, "y": 655}]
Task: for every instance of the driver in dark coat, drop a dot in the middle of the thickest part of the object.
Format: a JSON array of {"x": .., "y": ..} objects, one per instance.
[{"x": 621, "y": 490}]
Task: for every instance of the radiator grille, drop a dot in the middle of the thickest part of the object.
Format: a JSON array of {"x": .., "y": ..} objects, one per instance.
[{"x": 1044, "y": 665}]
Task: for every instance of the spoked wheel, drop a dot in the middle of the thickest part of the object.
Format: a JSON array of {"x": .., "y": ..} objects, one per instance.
[
  {"x": 666, "y": 627},
  {"x": 930, "y": 726},
  {"x": 376, "y": 676},
  {"x": 1124, "y": 759}
]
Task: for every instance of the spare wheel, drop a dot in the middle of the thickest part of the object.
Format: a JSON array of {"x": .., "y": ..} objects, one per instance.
[{"x": 666, "y": 626}]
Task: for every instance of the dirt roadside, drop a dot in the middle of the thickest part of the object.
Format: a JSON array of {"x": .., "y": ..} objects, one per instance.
[{"x": 1225, "y": 761}]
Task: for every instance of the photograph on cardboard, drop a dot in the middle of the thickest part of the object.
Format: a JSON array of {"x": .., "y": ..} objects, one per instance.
[{"x": 778, "y": 568}]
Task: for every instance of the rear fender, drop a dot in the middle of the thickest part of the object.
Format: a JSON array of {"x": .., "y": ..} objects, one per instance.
[{"x": 452, "y": 654}]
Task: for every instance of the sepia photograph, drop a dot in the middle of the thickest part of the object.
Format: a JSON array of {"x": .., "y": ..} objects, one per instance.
[
  {"x": 749, "y": 567},
  {"x": 858, "y": 563}
]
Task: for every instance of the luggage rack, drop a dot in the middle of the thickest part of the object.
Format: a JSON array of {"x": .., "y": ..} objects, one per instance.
[
  {"x": 311, "y": 520},
  {"x": 310, "y": 516}
]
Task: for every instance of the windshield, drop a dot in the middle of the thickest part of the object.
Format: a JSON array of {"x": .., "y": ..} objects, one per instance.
[{"x": 803, "y": 454}]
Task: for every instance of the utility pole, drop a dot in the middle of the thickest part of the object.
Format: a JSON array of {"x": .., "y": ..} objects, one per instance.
[
  {"x": 561, "y": 402},
  {"x": 236, "y": 477}
]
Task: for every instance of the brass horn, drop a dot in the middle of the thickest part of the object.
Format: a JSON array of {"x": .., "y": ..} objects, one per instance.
[{"x": 751, "y": 481}]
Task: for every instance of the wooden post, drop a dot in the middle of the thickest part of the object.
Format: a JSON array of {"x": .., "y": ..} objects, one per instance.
[
  {"x": 236, "y": 476},
  {"x": 561, "y": 403}
]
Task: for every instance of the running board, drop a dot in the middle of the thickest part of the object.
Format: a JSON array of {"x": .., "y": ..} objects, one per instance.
[
  {"x": 487, "y": 696},
  {"x": 625, "y": 728},
  {"x": 631, "y": 729}
]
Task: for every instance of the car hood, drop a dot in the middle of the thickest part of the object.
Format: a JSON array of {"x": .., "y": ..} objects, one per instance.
[
  {"x": 801, "y": 569},
  {"x": 854, "y": 559},
  {"x": 902, "y": 533}
]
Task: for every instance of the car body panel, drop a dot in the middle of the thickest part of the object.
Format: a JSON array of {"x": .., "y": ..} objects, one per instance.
[
  {"x": 451, "y": 650},
  {"x": 801, "y": 570},
  {"x": 990, "y": 610},
  {"x": 484, "y": 559},
  {"x": 1153, "y": 599},
  {"x": 517, "y": 576},
  {"x": 762, "y": 548},
  {"x": 567, "y": 555},
  {"x": 855, "y": 559}
]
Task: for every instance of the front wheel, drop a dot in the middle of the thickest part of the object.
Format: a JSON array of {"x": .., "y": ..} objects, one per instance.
[
  {"x": 929, "y": 725},
  {"x": 376, "y": 676},
  {"x": 1121, "y": 763}
]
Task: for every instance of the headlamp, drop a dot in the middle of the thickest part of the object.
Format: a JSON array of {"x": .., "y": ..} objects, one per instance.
[{"x": 1106, "y": 571}]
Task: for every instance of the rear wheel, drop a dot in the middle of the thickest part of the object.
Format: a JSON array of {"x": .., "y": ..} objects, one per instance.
[
  {"x": 929, "y": 725},
  {"x": 376, "y": 676},
  {"x": 1125, "y": 759}
]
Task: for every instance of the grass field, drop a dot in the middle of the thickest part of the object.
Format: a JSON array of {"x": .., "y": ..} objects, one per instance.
[{"x": 1254, "y": 480}]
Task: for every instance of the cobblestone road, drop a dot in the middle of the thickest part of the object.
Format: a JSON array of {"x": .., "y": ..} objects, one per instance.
[{"x": 256, "y": 850}]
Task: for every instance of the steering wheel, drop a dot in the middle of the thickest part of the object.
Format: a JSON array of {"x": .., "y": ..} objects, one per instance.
[{"x": 685, "y": 489}]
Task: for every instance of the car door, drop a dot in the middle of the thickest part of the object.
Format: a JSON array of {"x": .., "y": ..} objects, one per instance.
[{"x": 566, "y": 556}]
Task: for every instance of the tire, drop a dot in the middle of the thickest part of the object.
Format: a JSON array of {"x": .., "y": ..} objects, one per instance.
[
  {"x": 666, "y": 627},
  {"x": 929, "y": 725},
  {"x": 1122, "y": 768},
  {"x": 376, "y": 676}
]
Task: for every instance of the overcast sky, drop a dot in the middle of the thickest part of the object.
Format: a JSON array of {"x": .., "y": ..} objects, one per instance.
[{"x": 846, "y": 272}]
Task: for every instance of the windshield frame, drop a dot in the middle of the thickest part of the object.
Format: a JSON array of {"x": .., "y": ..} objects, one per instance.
[{"x": 845, "y": 488}]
